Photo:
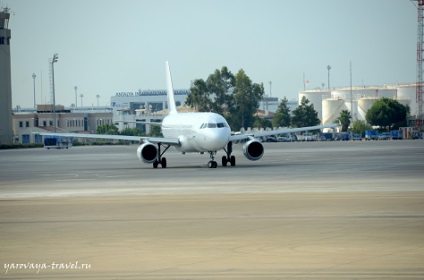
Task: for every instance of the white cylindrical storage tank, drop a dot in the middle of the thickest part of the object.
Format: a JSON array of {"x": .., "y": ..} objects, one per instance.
[
  {"x": 331, "y": 109},
  {"x": 354, "y": 112},
  {"x": 365, "y": 92},
  {"x": 315, "y": 98},
  {"x": 364, "y": 104},
  {"x": 408, "y": 92},
  {"x": 342, "y": 94},
  {"x": 387, "y": 92},
  {"x": 348, "y": 105},
  {"x": 405, "y": 102}
]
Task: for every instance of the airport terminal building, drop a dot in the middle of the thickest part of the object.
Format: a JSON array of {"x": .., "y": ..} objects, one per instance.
[
  {"x": 155, "y": 100},
  {"x": 151, "y": 106}
]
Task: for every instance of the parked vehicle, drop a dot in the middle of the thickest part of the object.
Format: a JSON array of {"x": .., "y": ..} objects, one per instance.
[
  {"x": 326, "y": 136},
  {"x": 271, "y": 139},
  {"x": 396, "y": 134},
  {"x": 344, "y": 137},
  {"x": 285, "y": 138},
  {"x": 384, "y": 136},
  {"x": 56, "y": 142},
  {"x": 356, "y": 136},
  {"x": 371, "y": 134}
]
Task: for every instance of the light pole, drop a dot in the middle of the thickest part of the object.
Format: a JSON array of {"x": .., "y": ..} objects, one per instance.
[
  {"x": 81, "y": 95},
  {"x": 97, "y": 96},
  {"x": 329, "y": 68},
  {"x": 76, "y": 100},
  {"x": 33, "y": 77},
  {"x": 270, "y": 92},
  {"x": 54, "y": 59}
]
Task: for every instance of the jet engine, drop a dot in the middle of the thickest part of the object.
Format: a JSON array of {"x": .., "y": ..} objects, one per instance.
[
  {"x": 147, "y": 152},
  {"x": 253, "y": 149}
]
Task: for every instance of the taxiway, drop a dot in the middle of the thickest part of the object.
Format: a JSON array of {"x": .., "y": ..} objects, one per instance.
[{"x": 333, "y": 210}]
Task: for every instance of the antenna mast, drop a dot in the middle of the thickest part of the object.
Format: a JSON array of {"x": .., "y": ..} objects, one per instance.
[{"x": 420, "y": 58}]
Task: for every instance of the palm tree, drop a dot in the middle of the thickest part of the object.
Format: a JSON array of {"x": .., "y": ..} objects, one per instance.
[{"x": 344, "y": 119}]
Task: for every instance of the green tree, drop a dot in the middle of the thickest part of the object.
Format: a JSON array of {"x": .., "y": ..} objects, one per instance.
[
  {"x": 219, "y": 85},
  {"x": 131, "y": 132},
  {"x": 344, "y": 119},
  {"x": 305, "y": 115},
  {"x": 214, "y": 94},
  {"x": 262, "y": 123},
  {"x": 199, "y": 96},
  {"x": 359, "y": 127},
  {"x": 282, "y": 116},
  {"x": 247, "y": 96},
  {"x": 386, "y": 112},
  {"x": 110, "y": 129},
  {"x": 234, "y": 97},
  {"x": 155, "y": 131}
]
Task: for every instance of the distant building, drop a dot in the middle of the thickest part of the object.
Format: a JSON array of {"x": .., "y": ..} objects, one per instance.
[
  {"x": 26, "y": 123},
  {"x": 269, "y": 104},
  {"x": 142, "y": 106},
  {"x": 154, "y": 100}
]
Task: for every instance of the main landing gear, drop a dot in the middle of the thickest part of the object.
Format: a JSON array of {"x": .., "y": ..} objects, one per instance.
[
  {"x": 161, "y": 160},
  {"x": 229, "y": 158}
]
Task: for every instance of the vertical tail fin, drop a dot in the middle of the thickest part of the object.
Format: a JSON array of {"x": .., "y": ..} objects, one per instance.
[{"x": 170, "y": 91}]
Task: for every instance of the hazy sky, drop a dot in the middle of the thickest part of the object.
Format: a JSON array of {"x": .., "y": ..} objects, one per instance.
[{"x": 106, "y": 47}]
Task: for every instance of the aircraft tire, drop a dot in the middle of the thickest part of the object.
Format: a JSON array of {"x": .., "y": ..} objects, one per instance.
[
  {"x": 233, "y": 161},
  {"x": 155, "y": 164},
  {"x": 224, "y": 161},
  {"x": 163, "y": 162},
  {"x": 212, "y": 164}
]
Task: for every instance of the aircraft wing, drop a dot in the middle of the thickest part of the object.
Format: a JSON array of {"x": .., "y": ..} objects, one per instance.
[
  {"x": 169, "y": 141},
  {"x": 239, "y": 137},
  {"x": 142, "y": 122}
]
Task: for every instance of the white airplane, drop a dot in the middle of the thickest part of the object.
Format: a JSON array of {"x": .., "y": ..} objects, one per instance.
[{"x": 194, "y": 133}]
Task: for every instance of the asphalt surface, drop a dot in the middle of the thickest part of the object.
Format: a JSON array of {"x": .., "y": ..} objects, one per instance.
[{"x": 328, "y": 210}]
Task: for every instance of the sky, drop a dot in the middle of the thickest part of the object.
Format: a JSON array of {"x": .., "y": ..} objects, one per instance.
[{"x": 105, "y": 47}]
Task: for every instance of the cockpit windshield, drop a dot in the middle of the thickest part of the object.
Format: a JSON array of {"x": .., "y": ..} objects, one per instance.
[{"x": 213, "y": 125}]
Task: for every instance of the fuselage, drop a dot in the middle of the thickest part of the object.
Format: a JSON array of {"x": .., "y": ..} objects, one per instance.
[{"x": 197, "y": 132}]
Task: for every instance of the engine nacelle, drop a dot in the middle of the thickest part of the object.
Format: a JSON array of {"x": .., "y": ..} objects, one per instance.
[
  {"x": 253, "y": 149},
  {"x": 147, "y": 152}
]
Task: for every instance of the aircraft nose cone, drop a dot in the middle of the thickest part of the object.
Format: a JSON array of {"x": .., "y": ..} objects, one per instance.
[
  {"x": 220, "y": 139},
  {"x": 216, "y": 139}
]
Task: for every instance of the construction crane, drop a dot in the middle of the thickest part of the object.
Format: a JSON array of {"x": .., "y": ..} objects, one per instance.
[{"x": 420, "y": 57}]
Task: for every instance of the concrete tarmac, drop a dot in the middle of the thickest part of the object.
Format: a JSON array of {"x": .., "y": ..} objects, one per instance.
[{"x": 333, "y": 210}]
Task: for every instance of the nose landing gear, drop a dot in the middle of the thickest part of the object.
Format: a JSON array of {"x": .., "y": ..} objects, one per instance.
[{"x": 212, "y": 163}]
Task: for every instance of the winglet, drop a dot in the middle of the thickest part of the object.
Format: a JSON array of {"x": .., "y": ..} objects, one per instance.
[{"x": 170, "y": 92}]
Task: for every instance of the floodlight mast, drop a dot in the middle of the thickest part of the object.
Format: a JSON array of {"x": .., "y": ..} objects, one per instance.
[
  {"x": 54, "y": 59},
  {"x": 328, "y": 68},
  {"x": 33, "y": 78},
  {"x": 76, "y": 100},
  {"x": 420, "y": 58}
]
